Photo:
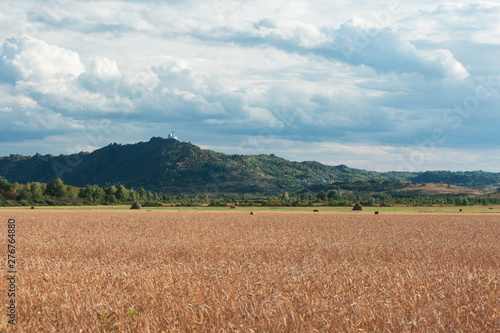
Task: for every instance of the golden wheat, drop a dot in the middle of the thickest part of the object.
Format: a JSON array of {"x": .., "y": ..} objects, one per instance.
[{"x": 139, "y": 271}]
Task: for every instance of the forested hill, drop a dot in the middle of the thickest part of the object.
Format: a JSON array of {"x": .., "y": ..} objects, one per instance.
[
  {"x": 473, "y": 179},
  {"x": 178, "y": 167},
  {"x": 175, "y": 166}
]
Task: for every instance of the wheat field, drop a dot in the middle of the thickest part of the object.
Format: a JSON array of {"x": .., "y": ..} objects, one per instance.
[{"x": 228, "y": 271}]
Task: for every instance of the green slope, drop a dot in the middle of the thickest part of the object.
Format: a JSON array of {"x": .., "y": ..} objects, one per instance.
[{"x": 178, "y": 167}]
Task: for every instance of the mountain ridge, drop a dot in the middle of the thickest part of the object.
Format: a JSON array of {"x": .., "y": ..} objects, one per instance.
[{"x": 172, "y": 166}]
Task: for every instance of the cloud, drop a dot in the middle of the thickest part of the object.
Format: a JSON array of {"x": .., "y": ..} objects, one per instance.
[
  {"x": 183, "y": 93},
  {"x": 102, "y": 75},
  {"x": 367, "y": 156},
  {"x": 61, "y": 87},
  {"x": 33, "y": 64},
  {"x": 22, "y": 118},
  {"x": 386, "y": 51},
  {"x": 357, "y": 42},
  {"x": 176, "y": 92},
  {"x": 311, "y": 72},
  {"x": 472, "y": 21}
]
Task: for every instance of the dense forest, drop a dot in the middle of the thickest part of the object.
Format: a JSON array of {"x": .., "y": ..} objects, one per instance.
[{"x": 58, "y": 194}]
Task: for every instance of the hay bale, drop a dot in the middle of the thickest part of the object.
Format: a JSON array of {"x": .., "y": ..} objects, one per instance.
[
  {"x": 357, "y": 206},
  {"x": 136, "y": 206}
]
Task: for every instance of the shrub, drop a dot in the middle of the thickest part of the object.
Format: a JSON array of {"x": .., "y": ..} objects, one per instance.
[
  {"x": 50, "y": 202},
  {"x": 24, "y": 203}
]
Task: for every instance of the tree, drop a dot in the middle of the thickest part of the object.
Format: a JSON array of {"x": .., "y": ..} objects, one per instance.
[
  {"x": 56, "y": 189},
  {"x": 132, "y": 195},
  {"x": 143, "y": 194},
  {"x": 334, "y": 195},
  {"x": 111, "y": 190},
  {"x": 122, "y": 193},
  {"x": 50, "y": 190},
  {"x": 5, "y": 185},
  {"x": 84, "y": 193},
  {"x": 24, "y": 194},
  {"x": 98, "y": 194},
  {"x": 321, "y": 196},
  {"x": 36, "y": 192},
  {"x": 60, "y": 189},
  {"x": 92, "y": 193},
  {"x": 72, "y": 192},
  {"x": 110, "y": 198}
]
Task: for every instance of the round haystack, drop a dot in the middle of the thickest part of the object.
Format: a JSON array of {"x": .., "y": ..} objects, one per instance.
[
  {"x": 136, "y": 206},
  {"x": 252, "y": 213},
  {"x": 233, "y": 207},
  {"x": 357, "y": 206},
  {"x": 376, "y": 213}
]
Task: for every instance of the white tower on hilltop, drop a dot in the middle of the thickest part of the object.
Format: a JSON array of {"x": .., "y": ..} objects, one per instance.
[{"x": 171, "y": 136}]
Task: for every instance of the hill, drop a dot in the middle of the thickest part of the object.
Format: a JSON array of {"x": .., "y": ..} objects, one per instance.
[
  {"x": 431, "y": 189},
  {"x": 473, "y": 179},
  {"x": 171, "y": 166}
]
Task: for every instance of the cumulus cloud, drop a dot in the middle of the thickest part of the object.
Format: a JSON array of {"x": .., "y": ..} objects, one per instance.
[
  {"x": 59, "y": 86},
  {"x": 298, "y": 71},
  {"x": 176, "y": 92},
  {"x": 102, "y": 75},
  {"x": 29, "y": 62},
  {"x": 181, "y": 92}
]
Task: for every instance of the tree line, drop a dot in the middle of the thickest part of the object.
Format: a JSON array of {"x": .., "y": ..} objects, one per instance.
[{"x": 59, "y": 194}]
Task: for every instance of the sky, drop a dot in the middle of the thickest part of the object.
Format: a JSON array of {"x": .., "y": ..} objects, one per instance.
[{"x": 376, "y": 85}]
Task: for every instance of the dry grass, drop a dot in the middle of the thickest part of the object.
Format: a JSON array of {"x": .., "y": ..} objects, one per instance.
[
  {"x": 445, "y": 189},
  {"x": 139, "y": 271}
]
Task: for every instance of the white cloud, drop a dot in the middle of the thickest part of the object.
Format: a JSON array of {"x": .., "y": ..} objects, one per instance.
[
  {"x": 104, "y": 69},
  {"x": 33, "y": 64},
  {"x": 102, "y": 75},
  {"x": 348, "y": 73},
  {"x": 473, "y": 21},
  {"x": 165, "y": 92},
  {"x": 357, "y": 42}
]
